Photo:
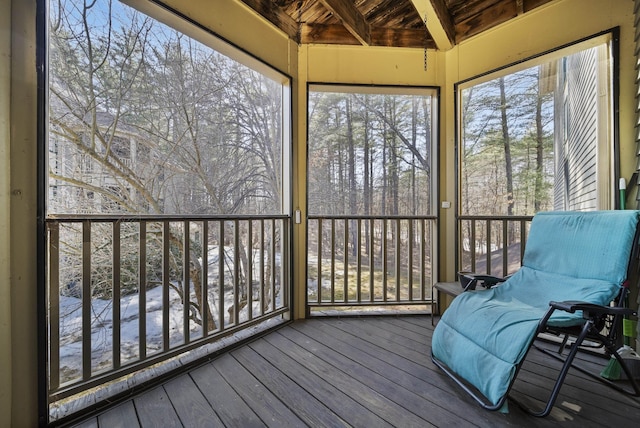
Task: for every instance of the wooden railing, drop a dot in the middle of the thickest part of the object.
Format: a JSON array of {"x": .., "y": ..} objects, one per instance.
[
  {"x": 492, "y": 244},
  {"x": 356, "y": 261},
  {"x": 125, "y": 293}
]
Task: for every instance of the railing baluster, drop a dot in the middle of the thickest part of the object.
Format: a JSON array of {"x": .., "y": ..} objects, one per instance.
[
  {"x": 423, "y": 250},
  {"x": 115, "y": 315},
  {"x": 262, "y": 270},
  {"x": 319, "y": 260},
  {"x": 273, "y": 265},
  {"x": 204, "y": 311},
  {"x": 488, "y": 248},
  {"x": 345, "y": 273},
  {"x": 186, "y": 267},
  {"x": 384, "y": 260},
  {"x": 166, "y": 281},
  {"x": 358, "y": 262},
  {"x": 333, "y": 260},
  {"x": 249, "y": 285},
  {"x": 371, "y": 254},
  {"x": 505, "y": 247},
  {"x": 221, "y": 255},
  {"x": 398, "y": 260},
  {"x": 54, "y": 305},
  {"x": 285, "y": 257},
  {"x": 236, "y": 272},
  {"x": 523, "y": 238},
  {"x": 410, "y": 261},
  {"x": 142, "y": 291},
  {"x": 472, "y": 245},
  {"x": 86, "y": 300}
]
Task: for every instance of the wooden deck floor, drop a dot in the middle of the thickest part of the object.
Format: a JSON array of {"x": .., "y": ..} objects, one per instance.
[{"x": 362, "y": 372}]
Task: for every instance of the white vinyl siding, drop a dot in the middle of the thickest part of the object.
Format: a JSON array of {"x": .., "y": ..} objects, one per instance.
[{"x": 582, "y": 181}]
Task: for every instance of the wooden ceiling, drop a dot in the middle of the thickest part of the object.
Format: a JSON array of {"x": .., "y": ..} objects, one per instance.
[{"x": 397, "y": 23}]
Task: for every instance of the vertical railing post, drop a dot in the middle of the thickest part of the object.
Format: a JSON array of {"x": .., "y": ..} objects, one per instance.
[
  {"x": 273, "y": 265},
  {"x": 262, "y": 262},
  {"x": 186, "y": 279},
  {"x": 236, "y": 272},
  {"x": 221, "y": 255},
  {"x": 86, "y": 300},
  {"x": 166, "y": 283},
  {"x": 142, "y": 291},
  {"x": 358, "y": 261},
  {"x": 472, "y": 245},
  {"x": 410, "y": 260},
  {"x": 319, "y": 260},
  {"x": 505, "y": 247},
  {"x": 333, "y": 260},
  {"x": 345, "y": 270},
  {"x": 371, "y": 253},
  {"x": 116, "y": 295},
  {"x": 54, "y": 305},
  {"x": 205, "y": 279},
  {"x": 249, "y": 279},
  {"x": 384, "y": 259},
  {"x": 488, "y": 246},
  {"x": 398, "y": 259}
]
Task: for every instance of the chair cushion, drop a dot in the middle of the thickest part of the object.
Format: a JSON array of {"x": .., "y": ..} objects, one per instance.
[
  {"x": 484, "y": 334},
  {"x": 593, "y": 244}
]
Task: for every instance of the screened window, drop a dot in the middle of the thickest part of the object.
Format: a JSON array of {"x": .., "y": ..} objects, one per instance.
[
  {"x": 535, "y": 136},
  {"x": 539, "y": 135},
  {"x": 155, "y": 121},
  {"x": 371, "y": 151},
  {"x": 168, "y": 199},
  {"x": 371, "y": 193}
]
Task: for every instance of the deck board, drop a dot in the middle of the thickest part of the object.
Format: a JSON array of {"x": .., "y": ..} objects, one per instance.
[
  {"x": 362, "y": 372},
  {"x": 229, "y": 405},
  {"x": 192, "y": 407},
  {"x": 155, "y": 408}
]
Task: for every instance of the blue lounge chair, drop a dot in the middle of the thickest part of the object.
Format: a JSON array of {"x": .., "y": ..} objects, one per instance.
[{"x": 574, "y": 266}]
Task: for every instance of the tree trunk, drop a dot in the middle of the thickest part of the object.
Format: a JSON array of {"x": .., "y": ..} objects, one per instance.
[{"x": 507, "y": 155}]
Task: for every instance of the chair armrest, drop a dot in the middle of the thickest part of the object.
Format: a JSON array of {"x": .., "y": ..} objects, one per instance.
[
  {"x": 469, "y": 280},
  {"x": 589, "y": 308}
]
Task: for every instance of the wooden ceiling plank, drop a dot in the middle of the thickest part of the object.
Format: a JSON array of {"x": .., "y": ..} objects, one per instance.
[
  {"x": 351, "y": 18},
  {"x": 332, "y": 34},
  {"x": 468, "y": 9},
  {"x": 406, "y": 38},
  {"x": 274, "y": 14},
  {"x": 501, "y": 12}
]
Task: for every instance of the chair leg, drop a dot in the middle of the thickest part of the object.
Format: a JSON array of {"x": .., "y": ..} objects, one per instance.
[
  {"x": 611, "y": 349},
  {"x": 561, "y": 376}
]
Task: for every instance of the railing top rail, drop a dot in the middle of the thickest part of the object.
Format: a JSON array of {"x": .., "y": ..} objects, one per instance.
[
  {"x": 496, "y": 217},
  {"x": 158, "y": 217},
  {"x": 371, "y": 217}
]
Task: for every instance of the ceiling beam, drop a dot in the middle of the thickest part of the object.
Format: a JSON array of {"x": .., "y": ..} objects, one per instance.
[
  {"x": 351, "y": 18},
  {"x": 274, "y": 14},
  {"x": 439, "y": 22}
]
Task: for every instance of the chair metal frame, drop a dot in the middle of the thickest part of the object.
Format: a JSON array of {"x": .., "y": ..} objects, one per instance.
[{"x": 597, "y": 319}]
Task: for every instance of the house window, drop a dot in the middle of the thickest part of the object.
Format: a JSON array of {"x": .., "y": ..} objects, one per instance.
[{"x": 537, "y": 135}]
